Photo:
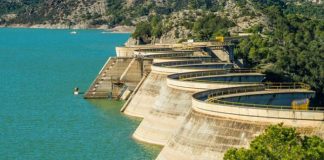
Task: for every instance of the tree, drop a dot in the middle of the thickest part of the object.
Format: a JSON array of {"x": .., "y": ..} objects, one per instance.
[
  {"x": 142, "y": 31},
  {"x": 210, "y": 25},
  {"x": 278, "y": 142}
]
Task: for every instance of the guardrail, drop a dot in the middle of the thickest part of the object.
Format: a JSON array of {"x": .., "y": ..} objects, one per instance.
[
  {"x": 194, "y": 61},
  {"x": 226, "y": 82},
  {"x": 202, "y": 44},
  {"x": 212, "y": 97},
  {"x": 153, "y": 49},
  {"x": 226, "y": 91},
  {"x": 286, "y": 85},
  {"x": 260, "y": 105},
  {"x": 189, "y": 57},
  {"x": 185, "y": 76},
  {"x": 175, "y": 54},
  {"x": 267, "y": 85}
]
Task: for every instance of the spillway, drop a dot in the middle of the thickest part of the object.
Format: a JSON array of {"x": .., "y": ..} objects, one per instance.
[
  {"x": 142, "y": 101},
  {"x": 224, "y": 118},
  {"x": 198, "y": 106},
  {"x": 174, "y": 100}
]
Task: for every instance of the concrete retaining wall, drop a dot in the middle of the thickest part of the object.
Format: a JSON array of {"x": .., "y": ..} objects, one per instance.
[
  {"x": 287, "y": 116},
  {"x": 222, "y": 55},
  {"x": 170, "y": 108},
  {"x": 199, "y": 86},
  {"x": 202, "y": 137},
  {"x": 210, "y": 129},
  {"x": 144, "y": 99},
  {"x": 167, "y": 113},
  {"x": 125, "y": 51}
]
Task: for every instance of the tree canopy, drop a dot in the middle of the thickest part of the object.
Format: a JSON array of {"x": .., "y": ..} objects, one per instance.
[
  {"x": 295, "y": 47},
  {"x": 277, "y": 143},
  {"x": 209, "y": 26}
]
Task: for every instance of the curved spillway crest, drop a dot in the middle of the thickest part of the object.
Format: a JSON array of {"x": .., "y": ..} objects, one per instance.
[
  {"x": 217, "y": 121},
  {"x": 142, "y": 101},
  {"x": 174, "y": 100},
  {"x": 197, "y": 106}
]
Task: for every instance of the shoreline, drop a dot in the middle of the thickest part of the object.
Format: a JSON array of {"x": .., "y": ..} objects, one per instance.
[{"x": 104, "y": 28}]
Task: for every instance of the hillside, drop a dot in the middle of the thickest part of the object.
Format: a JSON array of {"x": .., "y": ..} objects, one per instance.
[{"x": 178, "y": 16}]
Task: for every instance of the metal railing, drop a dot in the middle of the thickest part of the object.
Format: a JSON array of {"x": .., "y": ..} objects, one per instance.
[
  {"x": 185, "y": 76},
  {"x": 212, "y": 97},
  {"x": 267, "y": 85},
  {"x": 215, "y": 72},
  {"x": 225, "y": 82},
  {"x": 175, "y": 54},
  {"x": 227, "y": 91},
  {"x": 261, "y": 105},
  {"x": 286, "y": 85},
  {"x": 187, "y": 62},
  {"x": 153, "y": 49}
]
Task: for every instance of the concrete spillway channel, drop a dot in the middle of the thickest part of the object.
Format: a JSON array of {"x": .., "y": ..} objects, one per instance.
[
  {"x": 232, "y": 117},
  {"x": 142, "y": 100},
  {"x": 173, "y": 101}
]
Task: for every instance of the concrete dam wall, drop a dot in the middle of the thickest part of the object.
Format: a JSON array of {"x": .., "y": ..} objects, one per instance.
[
  {"x": 174, "y": 102},
  {"x": 211, "y": 128},
  {"x": 141, "y": 103},
  {"x": 197, "y": 106},
  {"x": 203, "y": 136}
]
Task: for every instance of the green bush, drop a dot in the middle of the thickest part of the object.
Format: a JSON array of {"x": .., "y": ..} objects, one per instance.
[{"x": 277, "y": 143}]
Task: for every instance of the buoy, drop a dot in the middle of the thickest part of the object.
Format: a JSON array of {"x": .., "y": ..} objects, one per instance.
[{"x": 76, "y": 91}]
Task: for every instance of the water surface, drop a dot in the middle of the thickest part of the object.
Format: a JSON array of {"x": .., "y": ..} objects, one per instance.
[{"x": 39, "y": 116}]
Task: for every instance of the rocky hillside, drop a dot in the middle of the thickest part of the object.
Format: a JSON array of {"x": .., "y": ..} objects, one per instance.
[
  {"x": 53, "y": 12},
  {"x": 177, "y": 15}
]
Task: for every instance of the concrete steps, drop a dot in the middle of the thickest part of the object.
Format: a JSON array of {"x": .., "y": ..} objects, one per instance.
[{"x": 109, "y": 74}]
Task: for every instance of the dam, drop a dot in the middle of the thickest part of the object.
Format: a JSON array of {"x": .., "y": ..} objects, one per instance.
[{"x": 196, "y": 101}]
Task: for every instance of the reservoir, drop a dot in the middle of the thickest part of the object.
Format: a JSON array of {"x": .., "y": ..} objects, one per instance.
[{"x": 40, "y": 118}]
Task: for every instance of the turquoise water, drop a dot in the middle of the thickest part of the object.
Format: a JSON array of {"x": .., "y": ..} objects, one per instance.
[{"x": 39, "y": 116}]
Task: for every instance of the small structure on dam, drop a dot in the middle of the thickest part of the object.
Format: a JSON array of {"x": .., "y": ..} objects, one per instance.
[{"x": 197, "y": 102}]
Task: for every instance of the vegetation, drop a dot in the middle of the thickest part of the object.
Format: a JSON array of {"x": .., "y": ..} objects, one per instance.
[
  {"x": 204, "y": 28},
  {"x": 294, "y": 48},
  {"x": 306, "y": 9},
  {"x": 278, "y": 142},
  {"x": 290, "y": 49},
  {"x": 143, "y": 32},
  {"x": 209, "y": 26}
]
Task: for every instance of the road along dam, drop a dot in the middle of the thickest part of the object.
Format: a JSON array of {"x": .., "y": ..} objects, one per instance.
[{"x": 196, "y": 102}]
